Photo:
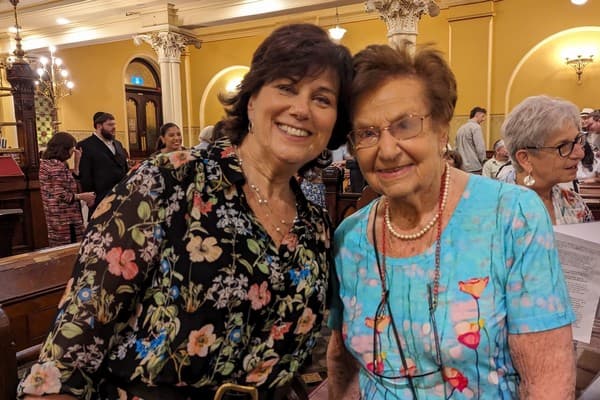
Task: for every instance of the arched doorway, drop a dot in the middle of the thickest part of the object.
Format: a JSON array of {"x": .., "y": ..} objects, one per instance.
[{"x": 144, "y": 107}]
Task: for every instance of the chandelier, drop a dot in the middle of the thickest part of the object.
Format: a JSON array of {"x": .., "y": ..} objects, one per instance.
[{"x": 53, "y": 83}]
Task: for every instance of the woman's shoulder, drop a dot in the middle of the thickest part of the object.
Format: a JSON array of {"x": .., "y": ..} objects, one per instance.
[
  {"x": 356, "y": 220},
  {"x": 52, "y": 165},
  {"x": 500, "y": 197}
]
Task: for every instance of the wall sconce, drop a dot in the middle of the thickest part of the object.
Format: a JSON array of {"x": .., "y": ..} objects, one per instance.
[
  {"x": 337, "y": 33},
  {"x": 579, "y": 63}
]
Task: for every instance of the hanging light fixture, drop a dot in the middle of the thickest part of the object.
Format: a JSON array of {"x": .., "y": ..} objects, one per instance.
[
  {"x": 579, "y": 2},
  {"x": 337, "y": 33},
  {"x": 53, "y": 83}
]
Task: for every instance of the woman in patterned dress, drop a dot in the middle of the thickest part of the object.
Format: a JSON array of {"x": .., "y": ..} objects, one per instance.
[
  {"x": 449, "y": 284},
  {"x": 206, "y": 267},
  {"x": 58, "y": 188},
  {"x": 542, "y": 135}
]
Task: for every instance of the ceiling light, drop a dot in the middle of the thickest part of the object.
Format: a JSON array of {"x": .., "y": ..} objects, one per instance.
[
  {"x": 12, "y": 29},
  {"x": 62, "y": 21},
  {"x": 337, "y": 33},
  {"x": 579, "y": 2}
]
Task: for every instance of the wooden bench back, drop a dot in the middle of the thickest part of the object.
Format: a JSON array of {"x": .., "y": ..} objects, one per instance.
[
  {"x": 591, "y": 194},
  {"x": 8, "y": 365},
  {"x": 32, "y": 285}
]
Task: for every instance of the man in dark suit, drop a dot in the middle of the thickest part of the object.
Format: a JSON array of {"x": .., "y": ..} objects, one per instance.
[{"x": 103, "y": 160}]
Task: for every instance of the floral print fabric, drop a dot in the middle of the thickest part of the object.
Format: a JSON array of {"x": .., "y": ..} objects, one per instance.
[
  {"x": 569, "y": 207},
  {"x": 500, "y": 275},
  {"x": 178, "y": 284}
]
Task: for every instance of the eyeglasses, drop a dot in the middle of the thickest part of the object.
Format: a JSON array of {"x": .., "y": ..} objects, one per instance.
[
  {"x": 565, "y": 149},
  {"x": 403, "y": 128},
  {"x": 388, "y": 370}
]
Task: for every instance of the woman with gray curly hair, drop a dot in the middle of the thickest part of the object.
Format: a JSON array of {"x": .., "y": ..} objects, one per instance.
[{"x": 543, "y": 138}]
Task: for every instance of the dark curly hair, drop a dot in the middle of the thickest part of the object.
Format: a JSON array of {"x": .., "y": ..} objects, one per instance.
[
  {"x": 292, "y": 51},
  {"x": 59, "y": 147}
]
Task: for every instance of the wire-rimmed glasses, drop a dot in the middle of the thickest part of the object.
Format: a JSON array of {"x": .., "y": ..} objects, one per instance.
[
  {"x": 564, "y": 149},
  {"x": 406, "y": 371},
  {"x": 406, "y": 127}
]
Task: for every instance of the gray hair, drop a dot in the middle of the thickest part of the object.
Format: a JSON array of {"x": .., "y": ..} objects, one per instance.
[{"x": 533, "y": 121}]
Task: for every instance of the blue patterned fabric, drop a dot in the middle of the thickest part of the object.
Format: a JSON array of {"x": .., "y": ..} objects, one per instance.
[{"x": 500, "y": 275}]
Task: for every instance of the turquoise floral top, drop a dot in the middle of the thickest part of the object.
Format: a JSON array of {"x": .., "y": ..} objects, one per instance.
[
  {"x": 178, "y": 284},
  {"x": 500, "y": 275}
]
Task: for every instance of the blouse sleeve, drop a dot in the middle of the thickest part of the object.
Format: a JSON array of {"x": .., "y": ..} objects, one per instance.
[
  {"x": 536, "y": 291},
  {"x": 116, "y": 258}
]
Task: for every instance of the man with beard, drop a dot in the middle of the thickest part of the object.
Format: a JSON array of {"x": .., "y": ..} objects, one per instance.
[{"x": 103, "y": 160}]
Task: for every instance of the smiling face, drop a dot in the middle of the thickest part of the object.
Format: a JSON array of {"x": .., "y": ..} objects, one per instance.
[
  {"x": 547, "y": 166},
  {"x": 400, "y": 168},
  {"x": 171, "y": 139},
  {"x": 292, "y": 120}
]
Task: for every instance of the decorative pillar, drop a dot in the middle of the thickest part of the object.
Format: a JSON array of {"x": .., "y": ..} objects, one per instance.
[
  {"x": 169, "y": 46},
  {"x": 21, "y": 78},
  {"x": 402, "y": 17}
]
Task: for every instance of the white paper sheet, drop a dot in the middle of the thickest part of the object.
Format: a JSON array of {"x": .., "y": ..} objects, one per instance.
[{"x": 579, "y": 252}]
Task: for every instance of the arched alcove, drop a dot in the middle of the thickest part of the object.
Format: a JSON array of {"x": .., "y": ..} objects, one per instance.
[
  {"x": 211, "y": 109},
  {"x": 543, "y": 70}
]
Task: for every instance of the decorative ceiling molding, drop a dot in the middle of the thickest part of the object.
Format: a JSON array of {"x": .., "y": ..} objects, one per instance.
[{"x": 100, "y": 21}]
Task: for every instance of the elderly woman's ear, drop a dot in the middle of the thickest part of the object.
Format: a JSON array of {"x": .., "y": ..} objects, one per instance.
[{"x": 522, "y": 158}]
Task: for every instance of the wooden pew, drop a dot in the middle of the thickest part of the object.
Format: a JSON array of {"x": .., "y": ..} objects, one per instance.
[
  {"x": 591, "y": 194},
  {"x": 339, "y": 204},
  {"x": 32, "y": 285}
]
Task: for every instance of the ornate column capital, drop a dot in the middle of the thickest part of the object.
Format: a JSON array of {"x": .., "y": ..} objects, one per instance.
[
  {"x": 402, "y": 16},
  {"x": 168, "y": 45}
]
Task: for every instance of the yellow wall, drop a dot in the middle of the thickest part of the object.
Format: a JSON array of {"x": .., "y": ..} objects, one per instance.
[
  {"x": 501, "y": 51},
  {"x": 98, "y": 72}
]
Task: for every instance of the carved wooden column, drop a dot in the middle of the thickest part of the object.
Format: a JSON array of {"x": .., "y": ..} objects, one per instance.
[
  {"x": 33, "y": 233},
  {"x": 169, "y": 46},
  {"x": 21, "y": 78},
  {"x": 402, "y": 17}
]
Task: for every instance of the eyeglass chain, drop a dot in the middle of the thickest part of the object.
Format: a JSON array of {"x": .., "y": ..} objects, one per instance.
[
  {"x": 261, "y": 200},
  {"x": 438, "y": 244}
]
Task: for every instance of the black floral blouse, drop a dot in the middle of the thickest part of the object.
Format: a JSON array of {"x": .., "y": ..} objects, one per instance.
[{"x": 178, "y": 284}]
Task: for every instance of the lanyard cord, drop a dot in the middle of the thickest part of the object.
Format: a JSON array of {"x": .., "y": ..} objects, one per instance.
[{"x": 384, "y": 299}]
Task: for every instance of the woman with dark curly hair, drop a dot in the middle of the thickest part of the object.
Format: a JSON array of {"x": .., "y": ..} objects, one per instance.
[
  {"x": 58, "y": 188},
  {"x": 209, "y": 267}
]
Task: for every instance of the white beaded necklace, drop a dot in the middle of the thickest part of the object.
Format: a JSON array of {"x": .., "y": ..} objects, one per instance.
[
  {"x": 261, "y": 200},
  {"x": 430, "y": 224}
]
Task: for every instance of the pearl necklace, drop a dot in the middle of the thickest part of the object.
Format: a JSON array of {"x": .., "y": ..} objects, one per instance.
[
  {"x": 261, "y": 200},
  {"x": 413, "y": 236}
]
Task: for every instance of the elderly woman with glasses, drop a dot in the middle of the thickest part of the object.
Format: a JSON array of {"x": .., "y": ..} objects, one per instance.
[
  {"x": 542, "y": 135},
  {"x": 449, "y": 285}
]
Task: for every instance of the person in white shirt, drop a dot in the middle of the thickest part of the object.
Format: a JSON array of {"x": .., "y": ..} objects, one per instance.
[
  {"x": 469, "y": 141},
  {"x": 491, "y": 166}
]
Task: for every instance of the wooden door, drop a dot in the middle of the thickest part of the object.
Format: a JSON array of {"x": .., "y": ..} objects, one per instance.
[{"x": 144, "y": 118}]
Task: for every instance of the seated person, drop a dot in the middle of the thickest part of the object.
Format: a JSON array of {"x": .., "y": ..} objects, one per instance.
[{"x": 491, "y": 166}]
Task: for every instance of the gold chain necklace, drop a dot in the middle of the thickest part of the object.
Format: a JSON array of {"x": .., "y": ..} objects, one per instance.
[{"x": 263, "y": 202}]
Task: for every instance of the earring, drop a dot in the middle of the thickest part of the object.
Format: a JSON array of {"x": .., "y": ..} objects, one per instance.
[
  {"x": 529, "y": 181},
  {"x": 250, "y": 126}
]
